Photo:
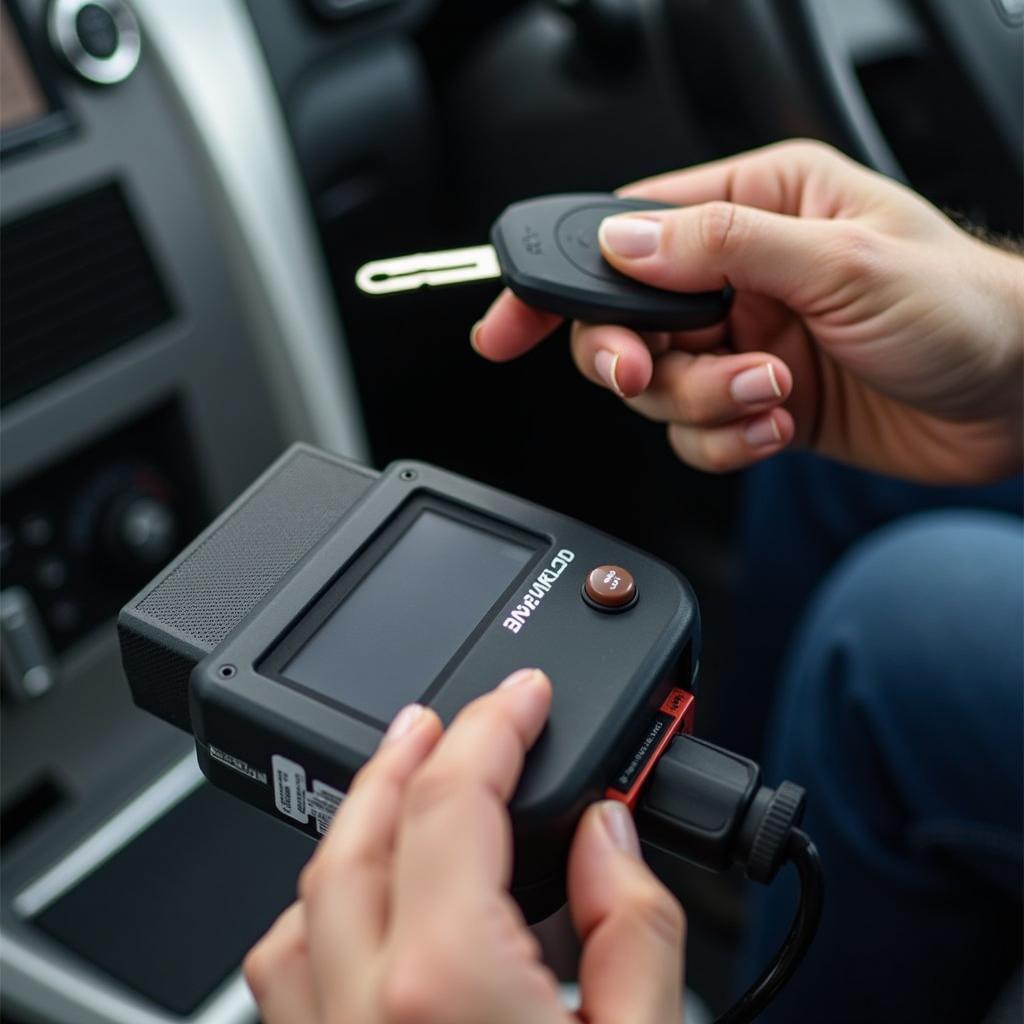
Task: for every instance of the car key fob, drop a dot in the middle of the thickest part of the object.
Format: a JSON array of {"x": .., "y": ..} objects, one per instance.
[{"x": 550, "y": 257}]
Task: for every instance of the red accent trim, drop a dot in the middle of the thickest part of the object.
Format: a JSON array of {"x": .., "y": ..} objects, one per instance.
[{"x": 681, "y": 706}]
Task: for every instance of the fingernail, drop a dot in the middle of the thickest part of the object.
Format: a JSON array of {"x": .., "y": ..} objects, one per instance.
[
  {"x": 474, "y": 335},
  {"x": 524, "y": 675},
  {"x": 618, "y": 823},
  {"x": 762, "y": 432},
  {"x": 402, "y": 724},
  {"x": 606, "y": 363},
  {"x": 756, "y": 385},
  {"x": 630, "y": 237}
]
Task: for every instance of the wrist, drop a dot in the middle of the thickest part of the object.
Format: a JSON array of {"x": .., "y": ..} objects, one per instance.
[
  {"x": 995, "y": 325},
  {"x": 1010, "y": 275},
  {"x": 1005, "y": 271}
]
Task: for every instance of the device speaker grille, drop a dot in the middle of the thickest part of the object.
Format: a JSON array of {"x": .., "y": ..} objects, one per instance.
[
  {"x": 227, "y": 571},
  {"x": 159, "y": 676}
]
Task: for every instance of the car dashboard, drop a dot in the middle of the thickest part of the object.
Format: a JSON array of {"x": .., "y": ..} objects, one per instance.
[
  {"x": 188, "y": 190},
  {"x": 167, "y": 330}
]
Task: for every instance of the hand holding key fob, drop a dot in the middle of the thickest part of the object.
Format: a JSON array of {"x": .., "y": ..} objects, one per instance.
[
  {"x": 550, "y": 258},
  {"x": 547, "y": 252}
]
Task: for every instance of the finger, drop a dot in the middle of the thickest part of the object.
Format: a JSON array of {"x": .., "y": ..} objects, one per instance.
[
  {"x": 703, "y": 339},
  {"x": 455, "y": 838},
  {"x": 711, "y": 390},
  {"x": 732, "y": 447},
  {"x": 623, "y": 361},
  {"x": 799, "y": 261},
  {"x": 782, "y": 177},
  {"x": 510, "y": 328},
  {"x": 614, "y": 357},
  {"x": 278, "y": 973},
  {"x": 658, "y": 342},
  {"x": 345, "y": 887},
  {"x": 631, "y": 926}
]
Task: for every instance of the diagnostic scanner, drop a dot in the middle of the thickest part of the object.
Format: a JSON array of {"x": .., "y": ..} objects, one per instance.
[
  {"x": 328, "y": 596},
  {"x": 287, "y": 636}
]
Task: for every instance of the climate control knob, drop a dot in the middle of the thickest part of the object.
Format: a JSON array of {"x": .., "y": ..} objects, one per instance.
[{"x": 140, "y": 531}]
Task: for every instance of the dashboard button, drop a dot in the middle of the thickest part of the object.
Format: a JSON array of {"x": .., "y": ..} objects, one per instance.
[
  {"x": 97, "y": 31},
  {"x": 26, "y": 653},
  {"x": 100, "y": 39},
  {"x": 51, "y": 573},
  {"x": 610, "y": 588},
  {"x": 141, "y": 531}
]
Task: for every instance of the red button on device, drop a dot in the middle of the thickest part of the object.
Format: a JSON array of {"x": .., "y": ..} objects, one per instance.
[{"x": 610, "y": 586}]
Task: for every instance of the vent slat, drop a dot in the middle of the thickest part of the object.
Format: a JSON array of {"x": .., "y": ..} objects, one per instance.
[
  {"x": 77, "y": 282},
  {"x": 25, "y": 260},
  {"x": 69, "y": 279},
  {"x": 30, "y": 348}
]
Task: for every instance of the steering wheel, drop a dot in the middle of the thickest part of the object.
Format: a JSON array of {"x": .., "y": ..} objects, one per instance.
[{"x": 796, "y": 67}]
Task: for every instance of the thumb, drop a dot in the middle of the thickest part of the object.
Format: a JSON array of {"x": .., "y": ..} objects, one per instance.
[
  {"x": 632, "y": 928},
  {"x": 799, "y": 261}
]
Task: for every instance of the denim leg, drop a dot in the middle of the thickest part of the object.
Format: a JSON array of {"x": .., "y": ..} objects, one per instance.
[
  {"x": 799, "y": 515},
  {"x": 902, "y": 713}
]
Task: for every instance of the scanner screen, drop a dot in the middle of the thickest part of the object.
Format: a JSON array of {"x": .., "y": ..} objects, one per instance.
[{"x": 388, "y": 640}]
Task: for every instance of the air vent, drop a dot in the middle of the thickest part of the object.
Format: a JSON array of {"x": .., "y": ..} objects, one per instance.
[{"x": 77, "y": 282}]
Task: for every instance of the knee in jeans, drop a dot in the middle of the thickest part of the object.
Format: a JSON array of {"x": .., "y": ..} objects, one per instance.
[{"x": 916, "y": 602}]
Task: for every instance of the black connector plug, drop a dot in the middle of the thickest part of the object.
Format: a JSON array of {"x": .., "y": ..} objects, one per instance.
[{"x": 707, "y": 805}]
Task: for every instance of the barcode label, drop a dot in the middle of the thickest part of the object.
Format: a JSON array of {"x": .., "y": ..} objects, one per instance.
[
  {"x": 292, "y": 798},
  {"x": 290, "y": 788},
  {"x": 323, "y": 803}
]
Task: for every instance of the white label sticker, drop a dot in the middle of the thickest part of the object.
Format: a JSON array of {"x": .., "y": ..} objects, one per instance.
[
  {"x": 290, "y": 788},
  {"x": 322, "y": 804}
]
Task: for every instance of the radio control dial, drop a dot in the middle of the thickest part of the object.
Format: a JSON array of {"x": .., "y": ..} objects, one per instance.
[{"x": 141, "y": 531}]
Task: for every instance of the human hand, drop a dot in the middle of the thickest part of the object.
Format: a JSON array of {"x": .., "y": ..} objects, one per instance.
[
  {"x": 866, "y": 326},
  {"x": 404, "y": 915}
]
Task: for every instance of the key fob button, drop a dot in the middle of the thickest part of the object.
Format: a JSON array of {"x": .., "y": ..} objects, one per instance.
[
  {"x": 549, "y": 256},
  {"x": 576, "y": 235}
]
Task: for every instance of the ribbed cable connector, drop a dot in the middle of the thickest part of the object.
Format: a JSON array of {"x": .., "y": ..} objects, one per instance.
[{"x": 773, "y": 815}]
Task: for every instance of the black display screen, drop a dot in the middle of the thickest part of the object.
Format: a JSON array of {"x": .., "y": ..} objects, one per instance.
[
  {"x": 22, "y": 99},
  {"x": 391, "y": 636},
  {"x": 31, "y": 111}
]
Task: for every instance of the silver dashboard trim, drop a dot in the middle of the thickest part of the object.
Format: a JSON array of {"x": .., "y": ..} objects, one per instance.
[
  {"x": 67, "y": 994},
  {"x": 135, "y": 817},
  {"x": 210, "y": 57},
  {"x": 45, "y": 983}
]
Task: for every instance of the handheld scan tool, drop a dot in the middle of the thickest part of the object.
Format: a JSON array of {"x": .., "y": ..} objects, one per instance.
[{"x": 328, "y": 596}]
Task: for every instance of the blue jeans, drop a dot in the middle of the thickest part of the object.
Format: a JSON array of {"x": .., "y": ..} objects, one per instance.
[
  {"x": 902, "y": 713},
  {"x": 800, "y": 514}
]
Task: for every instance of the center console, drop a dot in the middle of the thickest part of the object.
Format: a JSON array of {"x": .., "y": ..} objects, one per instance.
[{"x": 165, "y": 331}]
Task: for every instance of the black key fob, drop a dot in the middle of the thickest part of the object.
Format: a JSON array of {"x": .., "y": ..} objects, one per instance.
[{"x": 551, "y": 259}]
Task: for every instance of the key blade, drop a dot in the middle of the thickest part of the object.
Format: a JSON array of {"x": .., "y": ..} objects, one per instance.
[{"x": 428, "y": 270}]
